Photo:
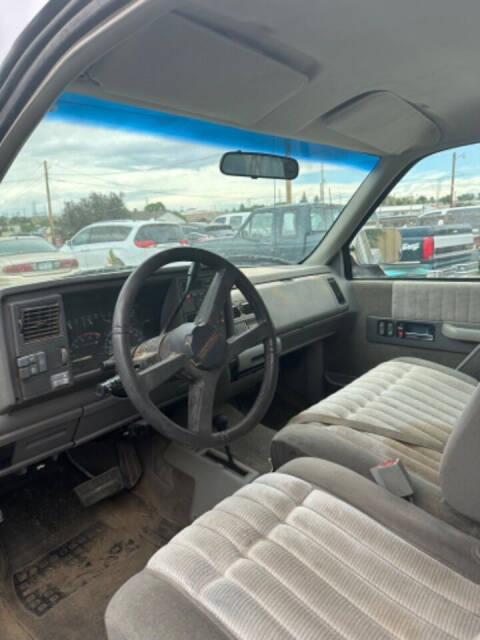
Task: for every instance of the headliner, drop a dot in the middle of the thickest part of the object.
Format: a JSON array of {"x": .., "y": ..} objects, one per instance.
[{"x": 379, "y": 76}]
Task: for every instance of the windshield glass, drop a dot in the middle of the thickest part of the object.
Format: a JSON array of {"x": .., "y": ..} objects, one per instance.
[
  {"x": 21, "y": 245},
  {"x": 91, "y": 161}
]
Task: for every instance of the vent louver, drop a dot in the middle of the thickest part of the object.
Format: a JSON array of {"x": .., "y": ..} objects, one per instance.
[{"x": 42, "y": 322}]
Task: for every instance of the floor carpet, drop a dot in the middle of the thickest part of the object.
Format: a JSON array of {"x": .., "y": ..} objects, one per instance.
[{"x": 61, "y": 563}]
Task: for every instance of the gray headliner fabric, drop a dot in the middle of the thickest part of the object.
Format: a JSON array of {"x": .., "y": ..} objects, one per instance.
[
  {"x": 381, "y": 38},
  {"x": 312, "y": 552}
]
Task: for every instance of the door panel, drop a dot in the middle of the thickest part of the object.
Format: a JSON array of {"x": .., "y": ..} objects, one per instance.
[{"x": 423, "y": 304}]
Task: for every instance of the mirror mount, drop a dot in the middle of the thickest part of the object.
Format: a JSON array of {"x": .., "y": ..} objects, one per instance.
[{"x": 258, "y": 165}]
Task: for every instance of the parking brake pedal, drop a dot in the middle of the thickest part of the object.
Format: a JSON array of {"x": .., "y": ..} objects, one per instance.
[
  {"x": 98, "y": 488},
  {"x": 104, "y": 485},
  {"x": 129, "y": 463}
]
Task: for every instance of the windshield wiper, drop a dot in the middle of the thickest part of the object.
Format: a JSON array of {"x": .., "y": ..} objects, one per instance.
[
  {"x": 108, "y": 269},
  {"x": 247, "y": 261}
]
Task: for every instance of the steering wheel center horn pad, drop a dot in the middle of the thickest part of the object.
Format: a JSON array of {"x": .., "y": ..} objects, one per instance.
[
  {"x": 203, "y": 344},
  {"x": 200, "y": 350}
]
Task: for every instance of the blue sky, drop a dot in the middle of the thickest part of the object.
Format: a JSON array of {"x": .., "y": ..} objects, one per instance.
[{"x": 91, "y": 147}]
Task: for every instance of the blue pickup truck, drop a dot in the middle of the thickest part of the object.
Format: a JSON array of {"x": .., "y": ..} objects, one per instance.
[{"x": 435, "y": 251}]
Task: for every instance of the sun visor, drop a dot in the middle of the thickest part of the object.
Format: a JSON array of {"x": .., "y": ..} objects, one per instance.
[
  {"x": 383, "y": 121},
  {"x": 179, "y": 65}
]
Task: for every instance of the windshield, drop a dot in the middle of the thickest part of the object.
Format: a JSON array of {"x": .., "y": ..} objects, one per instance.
[{"x": 91, "y": 161}]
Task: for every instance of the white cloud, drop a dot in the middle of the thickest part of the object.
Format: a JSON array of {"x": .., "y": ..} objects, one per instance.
[{"x": 182, "y": 174}]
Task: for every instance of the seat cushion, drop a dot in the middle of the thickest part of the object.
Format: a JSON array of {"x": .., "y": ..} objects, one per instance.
[
  {"x": 314, "y": 551},
  {"x": 406, "y": 399},
  {"x": 355, "y": 449}
]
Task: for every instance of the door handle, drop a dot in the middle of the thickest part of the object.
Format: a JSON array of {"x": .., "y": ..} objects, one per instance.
[{"x": 459, "y": 332}]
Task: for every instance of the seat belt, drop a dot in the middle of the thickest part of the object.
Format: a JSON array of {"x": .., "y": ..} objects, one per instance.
[
  {"x": 393, "y": 476},
  {"x": 405, "y": 436}
]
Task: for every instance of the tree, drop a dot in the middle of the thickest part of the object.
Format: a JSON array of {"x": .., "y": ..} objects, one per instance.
[
  {"x": 94, "y": 208},
  {"x": 421, "y": 200},
  {"x": 304, "y": 197},
  {"x": 466, "y": 197},
  {"x": 155, "y": 206},
  {"x": 316, "y": 199}
]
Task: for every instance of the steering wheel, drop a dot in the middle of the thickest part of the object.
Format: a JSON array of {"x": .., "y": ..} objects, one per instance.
[{"x": 197, "y": 351}]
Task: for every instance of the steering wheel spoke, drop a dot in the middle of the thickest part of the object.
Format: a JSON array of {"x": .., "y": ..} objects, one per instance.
[
  {"x": 246, "y": 340},
  {"x": 156, "y": 374},
  {"x": 201, "y": 398},
  {"x": 217, "y": 295}
]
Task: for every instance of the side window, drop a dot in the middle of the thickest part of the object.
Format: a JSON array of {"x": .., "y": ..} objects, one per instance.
[
  {"x": 82, "y": 237},
  {"x": 220, "y": 220},
  {"x": 260, "y": 226},
  {"x": 288, "y": 227},
  {"x": 159, "y": 233},
  {"x": 236, "y": 222},
  {"x": 111, "y": 233},
  {"x": 429, "y": 225}
]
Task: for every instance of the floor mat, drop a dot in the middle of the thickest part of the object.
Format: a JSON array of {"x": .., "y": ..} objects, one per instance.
[{"x": 65, "y": 562}]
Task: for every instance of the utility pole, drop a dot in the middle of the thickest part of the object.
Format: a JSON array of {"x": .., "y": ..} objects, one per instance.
[
  {"x": 322, "y": 184},
  {"x": 452, "y": 183},
  {"x": 288, "y": 183},
  {"x": 49, "y": 200}
]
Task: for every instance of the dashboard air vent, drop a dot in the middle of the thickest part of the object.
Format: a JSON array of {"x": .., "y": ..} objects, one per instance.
[{"x": 41, "y": 322}]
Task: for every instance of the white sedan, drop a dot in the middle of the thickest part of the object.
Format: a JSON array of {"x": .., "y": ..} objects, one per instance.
[{"x": 29, "y": 258}]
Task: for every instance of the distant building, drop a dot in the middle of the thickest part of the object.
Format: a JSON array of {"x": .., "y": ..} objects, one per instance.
[
  {"x": 200, "y": 216},
  {"x": 164, "y": 216}
]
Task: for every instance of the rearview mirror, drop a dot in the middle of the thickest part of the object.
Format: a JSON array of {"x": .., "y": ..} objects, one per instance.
[{"x": 258, "y": 165}]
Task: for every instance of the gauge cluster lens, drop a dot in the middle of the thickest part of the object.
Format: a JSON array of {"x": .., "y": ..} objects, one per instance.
[{"x": 89, "y": 323}]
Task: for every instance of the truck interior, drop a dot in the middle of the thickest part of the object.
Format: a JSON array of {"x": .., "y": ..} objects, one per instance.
[{"x": 238, "y": 441}]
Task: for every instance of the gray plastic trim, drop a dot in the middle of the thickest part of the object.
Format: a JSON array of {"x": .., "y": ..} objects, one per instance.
[
  {"x": 465, "y": 333},
  {"x": 440, "y": 342}
]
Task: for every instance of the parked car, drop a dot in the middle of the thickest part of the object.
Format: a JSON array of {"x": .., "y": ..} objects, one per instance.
[
  {"x": 194, "y": 232},
  {"x": 435, "y": 251},
  {"x": 234, "y": 220},
  {"x": 212, "y": 231},
  {"x": 30, "y": 258},
  {"x": 286, "y": 233},
  {"x": 123, "y": 241}
]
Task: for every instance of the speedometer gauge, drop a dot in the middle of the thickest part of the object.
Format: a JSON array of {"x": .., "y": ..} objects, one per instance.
[{"x": 85, "y": 346}]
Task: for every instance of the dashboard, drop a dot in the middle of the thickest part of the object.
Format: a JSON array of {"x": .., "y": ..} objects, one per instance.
[{"x": 56, "y": 346}]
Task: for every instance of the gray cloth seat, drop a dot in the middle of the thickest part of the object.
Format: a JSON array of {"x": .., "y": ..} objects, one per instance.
[
  {"x": 311, "y": 551},
  {"x": 405, "y": 399},
  {"x": 404, "y": 408}
]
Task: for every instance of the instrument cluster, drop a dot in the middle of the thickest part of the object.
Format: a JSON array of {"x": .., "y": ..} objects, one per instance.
[{"x": 89, "y": 318}]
